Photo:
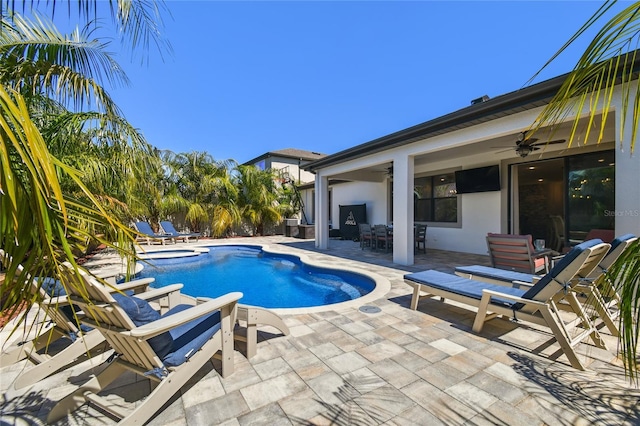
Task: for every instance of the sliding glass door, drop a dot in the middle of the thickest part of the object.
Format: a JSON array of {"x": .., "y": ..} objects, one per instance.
[
  {"x": 565, "y": 200},
  {"x": 591, "y": 196}
]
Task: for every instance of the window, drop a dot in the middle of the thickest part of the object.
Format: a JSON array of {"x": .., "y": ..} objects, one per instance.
[{"x": 435, "y": 198}]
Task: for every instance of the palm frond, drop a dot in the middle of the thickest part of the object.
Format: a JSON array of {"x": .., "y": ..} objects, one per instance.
[
  {"x": 625, "y": 275},
  {"x": 141, "y": 22},
  {"x": 138, "y": 21},
  {"x": 610, "y": 60},
  {"x": 40, "y": 226},
  {"x": 36, "y": 57}
]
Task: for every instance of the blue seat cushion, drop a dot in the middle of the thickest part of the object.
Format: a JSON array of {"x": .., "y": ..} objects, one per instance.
[
  {"x": 463, "y": 286},
  {"x": 496, "y": 273},
  {"x": 141, "y": 313},
  {"x": 178, "y": 344},
  {"x": 54, "y": 288},
  {"x": 188, "y": 338}
]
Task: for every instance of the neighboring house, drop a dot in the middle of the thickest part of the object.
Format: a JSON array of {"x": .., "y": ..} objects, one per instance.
[
  {"x": 290, "y": 163},
  {"x": 461, "y": 175}
]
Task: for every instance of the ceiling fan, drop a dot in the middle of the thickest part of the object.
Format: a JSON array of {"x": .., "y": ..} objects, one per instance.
[{"x": 526, "y": 146}]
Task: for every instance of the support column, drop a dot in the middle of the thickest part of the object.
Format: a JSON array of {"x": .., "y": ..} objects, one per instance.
[
  {"x": 627, "y": 211},
  {"x": 403, "y": 241},
  {"x": 322, "y": 212}
]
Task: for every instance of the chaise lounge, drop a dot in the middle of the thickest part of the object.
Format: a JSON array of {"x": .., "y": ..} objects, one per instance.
[
  {"x": 595, "y": 291},
  {"x": 536, "y": 304},
  {"x": 147, "y": 235},
  {"x": 170, "y": 230}
]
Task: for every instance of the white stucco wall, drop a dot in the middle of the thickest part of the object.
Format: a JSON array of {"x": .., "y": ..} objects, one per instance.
[
  {"x": 480, "y": 212},
  {"x": 373, "y": 194},
  {"x": 627, "y": 178},
  {"x": 627, "y": 211},
  {"x": 480, "y": 215}
]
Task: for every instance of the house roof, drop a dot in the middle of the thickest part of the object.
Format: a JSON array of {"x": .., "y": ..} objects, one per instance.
[
  {"x": 483, "y": 111},
  {"x": 480, "y": 111},
  {"x": 298, "y": 154}
]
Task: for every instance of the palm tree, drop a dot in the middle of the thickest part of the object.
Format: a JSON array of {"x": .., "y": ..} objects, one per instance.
[
  {"x": 42, "y": 221},
  {"x": 40, "y": 225},
  {"x": 154, "y": 193},
  {"x": 261, "y": 200},
  {"x": 226, "y": 211},
  {"x": 609, "y": 61},
  {"x": 204, "y": 191}
]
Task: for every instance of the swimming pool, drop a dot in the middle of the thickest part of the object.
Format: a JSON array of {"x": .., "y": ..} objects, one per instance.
[{"x": 267, "y": 279}]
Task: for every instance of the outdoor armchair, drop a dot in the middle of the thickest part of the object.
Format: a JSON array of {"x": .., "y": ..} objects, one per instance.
[
  {"x": 515, "y": 253},
  {"x": 168, "y": 349},
  {"x": 60, "y": 324}
]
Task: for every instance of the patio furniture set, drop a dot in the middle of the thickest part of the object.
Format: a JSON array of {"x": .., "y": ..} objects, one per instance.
[
  {"x": 154, "y": 332},
  {"x": 380, "y": 237}
]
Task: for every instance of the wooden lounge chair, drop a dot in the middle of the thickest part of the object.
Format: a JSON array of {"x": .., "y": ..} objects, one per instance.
[
  {"x": 595, "y": 291},
  {"x": 168, "y": 349},
  {"x": 515, "y": 253},
  {"x": 598, "y": 292},
  {"x": 146, "y": 234},
  {"x": 536, "y": 304},
  {"x": 61, "y": 324},
  {"x": 170, "y": 230}
]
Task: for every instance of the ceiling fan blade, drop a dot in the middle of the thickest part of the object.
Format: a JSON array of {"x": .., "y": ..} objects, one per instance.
[
  {"x": 504, "y": 150},
  {"x": 549, "y": 143}
]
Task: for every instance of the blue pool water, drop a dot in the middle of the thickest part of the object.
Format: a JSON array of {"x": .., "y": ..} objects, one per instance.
[{"x": 268, "y": 280}]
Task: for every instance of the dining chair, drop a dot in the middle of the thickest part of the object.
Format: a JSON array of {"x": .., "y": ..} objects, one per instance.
[
  {"x": 366, "y": 235},
  {"x": 421, "y": 238},
  {"x": 383, "y": 238}
]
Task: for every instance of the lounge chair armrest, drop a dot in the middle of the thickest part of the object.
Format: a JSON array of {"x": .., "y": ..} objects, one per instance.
[
  {"x": 519, "y": 283},
  {"x": 55, "y": 301},
  {"x": 171, "y": 321},
  {"x": 159, "y": 292},
  {"x": 555, "y": 259},
  {"x": 134, "y": 284},
  {"x": 491, "y": 293}
]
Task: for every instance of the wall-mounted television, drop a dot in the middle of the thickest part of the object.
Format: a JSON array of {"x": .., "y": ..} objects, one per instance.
[{"x": 482, "y": 179}]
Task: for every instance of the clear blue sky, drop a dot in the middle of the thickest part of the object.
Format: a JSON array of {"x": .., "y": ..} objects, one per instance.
[{"x": 250, "y": 77}]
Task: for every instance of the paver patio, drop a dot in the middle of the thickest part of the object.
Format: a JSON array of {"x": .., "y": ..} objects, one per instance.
[{"x": 394, "y": 367}]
